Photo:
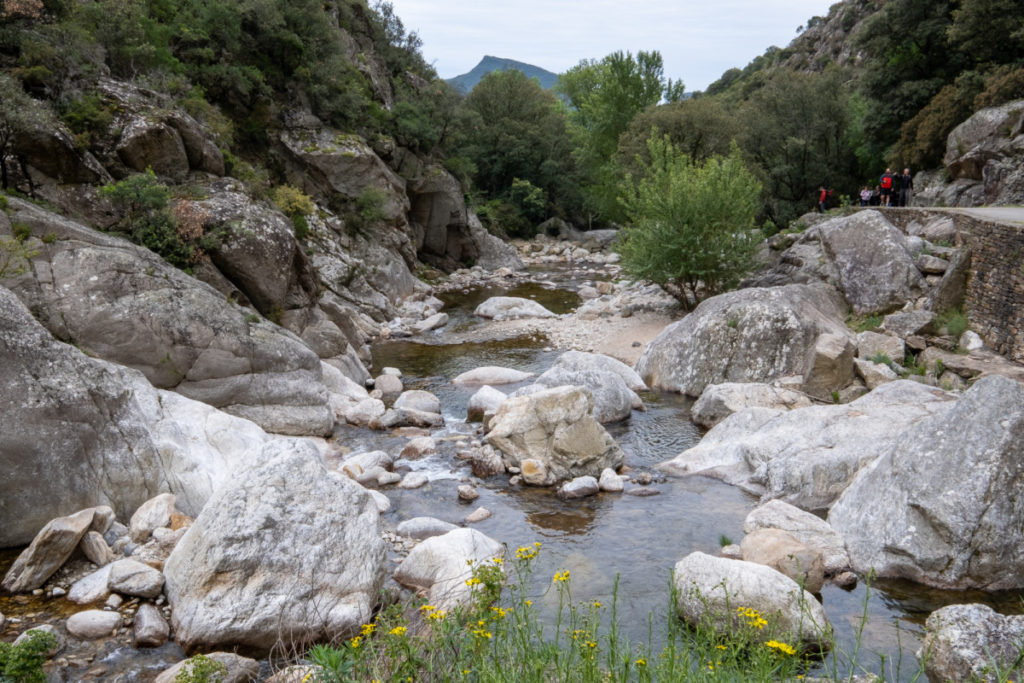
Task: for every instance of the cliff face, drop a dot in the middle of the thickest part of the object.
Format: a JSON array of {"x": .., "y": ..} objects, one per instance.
[{"x": 264, "y": 291}]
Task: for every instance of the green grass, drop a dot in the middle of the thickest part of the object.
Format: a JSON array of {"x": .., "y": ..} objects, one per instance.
[{"x": 500, "y": 637}]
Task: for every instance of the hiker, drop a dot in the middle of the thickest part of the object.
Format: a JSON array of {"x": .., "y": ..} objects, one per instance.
[
  {"x": 906, "y": 187},
  {"x": 822, "y": 198},
  {"x": 885, "y": 183},
  {"x": 865, "y": 196}
]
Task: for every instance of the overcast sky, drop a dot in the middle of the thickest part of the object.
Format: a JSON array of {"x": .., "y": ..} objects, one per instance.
[{"x": 697, "y": 39}]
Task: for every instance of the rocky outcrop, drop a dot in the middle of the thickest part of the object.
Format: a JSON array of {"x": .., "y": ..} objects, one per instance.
[
  {"x": 755, "y": 335},
  {"x": 986, "y": 149},
  {"x": 711, "y": 589},
  {"x": 875, "y": 271},
  {"x": 552, "y": 435},
  {"x": 51, "y": 547},
  {"x": 286, "y": 553},
  {"x": 971, "y": 643},
  {"x": 807, "y": 457},
  {"x": 254, "y": 246},
  {"x": 939, "y": 505},
  {"x": 124, "y": 304}
]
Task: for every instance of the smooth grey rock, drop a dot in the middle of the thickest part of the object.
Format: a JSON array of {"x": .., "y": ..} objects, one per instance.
[
  {"x": 511, "y": 308},
  {"x": 874, "y": 374},
  {"x": 555, "y": 428},
  {"x": 406, "y": 417},
  {"x": 145, "y": 143},
  {"x": 492, "y": 375},
  {"x": 809, "y": 529},
  {"x": 238, "y": 669},
  {"x": 51, "y": 547},
  {"x": 719, "y": 401},
  {"x": 580, "y": 487},
  {"x": 433, "y": 322},
  {"x": 417, "y": 399},
  {"x": 467, "y": 493},
  {"x": 441, "y": 565},
  {"x": 478, "y": 515},
  {"x": 751, "y": 335},
  {"x": 419, "y": 447},
  {"x": 610, "y": 482},
  {"x": 485, "y": 400},
  {"x": 96, "y": 549},
  {"x": 91, "y": 588},
  {"x": 967, "y": 642},
  {"x": 150, "y": 628},
  {"x": 388, "y": 478},
  {"x": 152, "y": 514},
  {"x": 781, "y": 551},
  {"x": 129, "y": 577},
  {"x": 608, "y": 380},
  {"x": 382, "y": 501},
  {"x": 424, "y": 527},
  {"x": 970, "y": 341},
  {"x": 808, "y": 456},
  {"x": 875, "y": 271},
  {"x": 179, "y": 332},
  {"x": 364, "y": 412},
  {"x": 414, "y": 480},
  {"x": 711, "y": 588},
  {"x": 909, "y": 323},
  {"x": 93, "y": 624},
  {"x": 939, "y": 506},
  {"x": 303, "y": 548},
  {"x": 871, "y": 344},
  {"x": 389, "y": 386},
  {"x": 951, "y": 291},
  {"x": 931, "y": 265}
]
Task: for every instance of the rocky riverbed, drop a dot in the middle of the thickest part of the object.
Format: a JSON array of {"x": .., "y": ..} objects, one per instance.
[{"x": 505, "y": 408}]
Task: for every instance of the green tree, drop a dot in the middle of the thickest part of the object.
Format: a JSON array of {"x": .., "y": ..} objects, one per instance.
[
  {"x": 144, "y": 201},
  {"x": 604, "y": 97},
  {"x": 989, "y": 31},
  {"x": 516, "y": 129},
  {"x": 690, "y": 225}
]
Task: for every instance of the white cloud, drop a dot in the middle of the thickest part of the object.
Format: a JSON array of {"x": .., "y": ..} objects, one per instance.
[{"x": 698, "y": 40}]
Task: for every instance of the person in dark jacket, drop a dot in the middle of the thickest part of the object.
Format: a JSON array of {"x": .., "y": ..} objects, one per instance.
[{"x": 906, "y": 187}]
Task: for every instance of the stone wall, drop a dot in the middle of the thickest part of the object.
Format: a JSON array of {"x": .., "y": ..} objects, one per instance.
[{"x": 995, "y": 285}]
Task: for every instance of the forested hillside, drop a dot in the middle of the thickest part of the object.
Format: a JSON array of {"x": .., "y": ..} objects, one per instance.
[{"x": 872, "y": 84}]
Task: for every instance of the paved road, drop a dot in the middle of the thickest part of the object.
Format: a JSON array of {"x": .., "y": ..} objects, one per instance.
[{"x": 997, "y": 214}]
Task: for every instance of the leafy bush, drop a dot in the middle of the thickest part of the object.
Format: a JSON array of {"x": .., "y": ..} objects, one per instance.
[
  {"x": 953, "y": 321},
  {"x": 292, "y": 201},
  {"x": 201, "y": 669},
  {"x": 88, "y": 117},
  {"x": 147, "y": 218},
  {"x": 369, "y": 204},
  {"x": 14, "y": 257},
  {"x": 23, "y": 663},
  {"x": 691, "y": 226}
]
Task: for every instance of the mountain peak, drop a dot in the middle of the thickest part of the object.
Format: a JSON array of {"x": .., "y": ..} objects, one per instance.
[{"x": 467, "y": 81}]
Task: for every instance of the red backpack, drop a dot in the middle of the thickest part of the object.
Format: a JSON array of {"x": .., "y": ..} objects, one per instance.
[{"x": 886, "y": 181}]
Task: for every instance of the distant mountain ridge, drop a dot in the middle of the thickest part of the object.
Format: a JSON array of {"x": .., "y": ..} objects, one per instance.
[{"x": 467, "y": 81}]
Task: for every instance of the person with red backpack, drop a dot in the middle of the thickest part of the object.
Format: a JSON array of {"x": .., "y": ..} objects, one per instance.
[{"x": 885, "y": 183}]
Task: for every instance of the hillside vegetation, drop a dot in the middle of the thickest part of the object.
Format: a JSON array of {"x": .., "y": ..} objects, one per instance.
[{"x": 872, "y": 84}]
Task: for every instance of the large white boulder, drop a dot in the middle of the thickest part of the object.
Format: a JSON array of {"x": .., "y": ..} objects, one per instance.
[
  {"x": 442, "y": 564},
  {"x": 940, "y": 505},
  {"x": 808, "y": 456},
  {"x": 286, "y": 551},
  {"x": 969, "y": 642},
  {"x": 719, "y": 401},
  {"x": 612, "y": 384},
  {"x": 511, "y": 308},
  {"x": 551, "y": 436},
  {"x": 755, "y": 335},
  {"x": 712, "y": 589}
]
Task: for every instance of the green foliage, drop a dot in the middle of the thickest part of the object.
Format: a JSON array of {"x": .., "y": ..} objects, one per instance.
[
  {"x": 3, "y": 203},
  {"x": 691, "y": 225},
  {"x": 23, "y": 663},
  {"x": 953, "y": 321},
  {"x": 513, "y": 129},
  {"x": 503, "y": 219},
  {"x": 369, "y": 204},
  {"x": 21, "y": 231},
  {"x": 1003, "y": 84},
  {"x": 144, "y": 201},
  {"x": 866, "y": 323},
  {"x": 724, "y": 540},
  {"x": 88, "y": 117},
  {"x": 699, "y": 127},
  {"x": 14, "y": 257},
  {"x": 292, "y": 201},
  {"x": 19, "y": 114},
  {"x": 531, "y": 201},
  {"x": 202, "y": 669},
  {"x": 881, "y": 359},
  {"x": 922, "y": 141}
]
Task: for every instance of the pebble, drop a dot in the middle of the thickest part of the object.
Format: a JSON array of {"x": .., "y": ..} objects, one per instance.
[
  {"x": 58, "y": 592},
  {"x": 847, "y": 580},
  {"x": 642, "y": 492},
  {"x": 468, "y": 493}
]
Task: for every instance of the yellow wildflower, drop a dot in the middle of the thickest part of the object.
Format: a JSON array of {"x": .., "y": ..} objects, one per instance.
[
  {"x": 560, "y": 577},
  {"x": 597, "y": 604},
  {"x": 473, "y": 581},
  {"x": 397, "y": 631},
  {"x": 356, "y": 642},
  {"x": 366, "y": 629},
  {"x": 781, "y": 647},
  {"x": 641, "y": 662},
  {"x": 529, "y": 602}
]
